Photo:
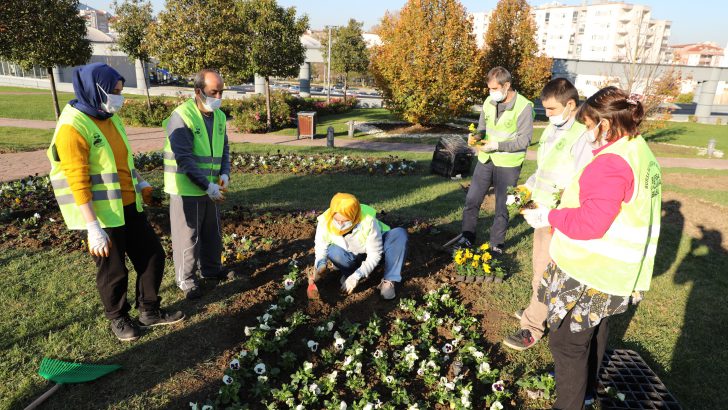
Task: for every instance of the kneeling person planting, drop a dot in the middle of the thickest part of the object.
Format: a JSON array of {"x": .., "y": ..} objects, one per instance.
[{"x": 350, "y": 236}]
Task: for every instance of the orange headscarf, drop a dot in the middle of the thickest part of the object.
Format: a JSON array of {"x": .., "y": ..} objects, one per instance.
[{"x": 348, "y": 206}]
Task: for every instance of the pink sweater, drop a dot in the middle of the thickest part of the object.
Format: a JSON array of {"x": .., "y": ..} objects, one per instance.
[{"x": 605, "y": 183}]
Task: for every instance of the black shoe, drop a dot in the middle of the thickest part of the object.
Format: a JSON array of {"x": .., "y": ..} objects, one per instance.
[
  {"x": 458, "y": 242},
  {"x": 159, "y": 317},
  {"x": 221, "y": 275},
  {"x": 125, "y": 329},
  {"x": 193, "y": 293},
  {"x": 521, "y": 340},
  {"x": 497, "y": 250}
]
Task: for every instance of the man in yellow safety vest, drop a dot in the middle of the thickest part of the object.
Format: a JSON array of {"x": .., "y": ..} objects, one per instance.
[{"x": 196, "y": 173}]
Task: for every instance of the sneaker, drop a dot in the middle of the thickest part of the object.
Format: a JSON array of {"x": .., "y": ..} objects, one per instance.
[
  {"x": 193, "y": 293},
  {"x": 497, "y": 250},
  {"x": 221, "y": 275},
  {"x": 125, "y": 329},
  {"x": 159, "y": 317},
  {"x": 589, "y": 399},
  {"x": 521, "y": 340},
  {"x": 518, "y": 314},
  {"x": 456, "y": 243},
  {"x": 386, "y": 289}
]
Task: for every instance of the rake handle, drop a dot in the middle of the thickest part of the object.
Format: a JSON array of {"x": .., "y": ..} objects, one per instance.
[{"x": 43, "y": 398}]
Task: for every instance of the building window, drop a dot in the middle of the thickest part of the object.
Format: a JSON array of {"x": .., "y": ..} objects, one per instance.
[
  {"x": 574, "y": 16},
  {"x": 547, "y": 17}
]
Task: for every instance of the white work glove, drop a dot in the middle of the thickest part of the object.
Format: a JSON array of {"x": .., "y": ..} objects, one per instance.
[
  {"x": 213, "y": 191},
  {"x": 224, "y": 182},
  {"x": 98, "y": 240},
  {"x": 350, "y": 283},
  {"x": 489, "y": 146},
  {"x": 510, "y": 200},
  {"x": 537, "y": 218}
]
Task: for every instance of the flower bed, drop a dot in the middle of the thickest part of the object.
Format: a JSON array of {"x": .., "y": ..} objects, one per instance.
[
  {"x": 428, "y": 352},
  {"x": 320, "y": 163},
  {"x": 477, "y": 266}
]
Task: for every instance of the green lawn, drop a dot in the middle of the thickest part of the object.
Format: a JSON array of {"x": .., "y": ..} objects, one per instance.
[
  {"x": 37, "y": 105},
  {"x": 15, "y": 139},
  {"x": 692, "y": 134},
  {"x": 50, "y": 305}
]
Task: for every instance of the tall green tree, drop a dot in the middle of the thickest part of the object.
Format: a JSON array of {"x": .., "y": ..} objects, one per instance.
[
  {"x": 190, "y": 35},
  {"x": 133, "y": 19},
  {"x": 273, "y": 42},
  {"x": 510, "y": 42},
  {"x": 44, "y": 34},
  {"x": 428, "y": 67},
  {"x": 348, "y": 51}
]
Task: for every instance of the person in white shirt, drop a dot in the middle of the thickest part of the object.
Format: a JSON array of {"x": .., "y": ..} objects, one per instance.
[
  {"x": 563, "y": 150},
  {"x": 350, "y": 236}
]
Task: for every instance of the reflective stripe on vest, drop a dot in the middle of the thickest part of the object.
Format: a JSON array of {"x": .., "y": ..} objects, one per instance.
[
  {"x": 105, "y": 187},
  {"x": 368, "y": 213},
  {"x": 504, "y": 129},
  {"x": 208, "y": 158},
  {"x": 622, "y": 261},
  {"x": 556, "y": 165}
]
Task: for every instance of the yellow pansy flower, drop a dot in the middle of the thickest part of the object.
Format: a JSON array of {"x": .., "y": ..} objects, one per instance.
[{"x": 485, "y": 246}]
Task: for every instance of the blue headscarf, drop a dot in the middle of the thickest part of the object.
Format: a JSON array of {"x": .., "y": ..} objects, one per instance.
[{"x": 88, "y": 97}]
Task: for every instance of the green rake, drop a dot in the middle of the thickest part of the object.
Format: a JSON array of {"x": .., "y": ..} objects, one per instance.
[{"x": 61, "y": 372}]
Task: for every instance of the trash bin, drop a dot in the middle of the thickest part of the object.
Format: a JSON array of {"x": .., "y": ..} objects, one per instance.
[{"x": 306, "y": 124}]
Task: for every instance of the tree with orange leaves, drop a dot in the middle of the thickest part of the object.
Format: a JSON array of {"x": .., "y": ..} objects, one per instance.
[{"x": 428, "y": 65}]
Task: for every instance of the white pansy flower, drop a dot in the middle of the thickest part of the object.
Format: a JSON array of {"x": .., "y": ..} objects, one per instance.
[
  {"x": 456, "y": 328},
  {"x": 272, "y": 308},
  {"x": 235, "y": 364},
  {"x": 377, "y": 354},
  {"x": 314, "y": 388},
  {"x": 288, "y": 299},
  {"x": 496, "y": 406},
  {"x": 444, "y": 297},
  {"x": 368, "y": 406},
  {"x": 332, "y": 376},
  {"x": 300, "y": 407},
  {"x": 307, "y": 366},
  {"x": 330, "y": 325},
  {"x": 227, "y": 379},
  {"x": 348, "y": 360},
  {"x": 313, "y": 345},
  {"x": 259, "y": 368},
  {"x": 263, "y": 379},
  {"x": 389, "y": 379},
  {"x": 264, "y": 326},
  {"x": 447, "y": 349},
  {"x": 498, "y": 386},
  {"x": 249, "y": 330},
  {"x": 206, "y": 407},
  {"x": 484, "y": 368},
  {"x": 288, "y": 284},
  {"x": 343, "y": 405}
]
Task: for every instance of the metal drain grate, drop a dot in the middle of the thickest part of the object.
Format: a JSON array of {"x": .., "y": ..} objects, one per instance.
[{"x": 627, "y": 372}]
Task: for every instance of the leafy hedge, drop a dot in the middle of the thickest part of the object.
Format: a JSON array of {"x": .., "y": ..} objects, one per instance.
[{"x": 247, "y": 115}]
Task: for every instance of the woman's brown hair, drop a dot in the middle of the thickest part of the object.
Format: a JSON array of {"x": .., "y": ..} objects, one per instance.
[{"x": 623, "y": 112}]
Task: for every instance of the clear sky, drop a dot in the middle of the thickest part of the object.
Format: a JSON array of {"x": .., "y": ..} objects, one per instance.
[{"x": 692, "y": 21}]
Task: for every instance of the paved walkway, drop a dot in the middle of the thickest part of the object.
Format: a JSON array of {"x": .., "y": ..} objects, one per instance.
[{"x": 22, "y": 164}]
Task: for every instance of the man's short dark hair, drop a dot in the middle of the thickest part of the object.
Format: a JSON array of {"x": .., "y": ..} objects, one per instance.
[
  {"x": 500, "y": 74},
  {"x": 560, "y": 89},
  {"x": 200, "y": 77}
]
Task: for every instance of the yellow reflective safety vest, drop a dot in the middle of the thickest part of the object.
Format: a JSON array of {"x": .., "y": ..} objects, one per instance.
[
  {"x": 504, "y": 129},
  {"x": 368, "y": 213},
  {"x": 622, "y": 261},
  {"x": 208, "y": 156},
  {"x": 105, "y": 186},
  {"x": 555, "y": 164}
]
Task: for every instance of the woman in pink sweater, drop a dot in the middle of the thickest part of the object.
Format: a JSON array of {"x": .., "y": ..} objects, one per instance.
[{"x": 605, "y": 238}]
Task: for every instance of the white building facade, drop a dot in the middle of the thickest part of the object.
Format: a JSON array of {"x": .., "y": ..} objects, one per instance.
[{"x": 605, "y": 31}]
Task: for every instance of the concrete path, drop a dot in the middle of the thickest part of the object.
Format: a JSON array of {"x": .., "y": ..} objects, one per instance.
[{"x": 22, "y": 164}]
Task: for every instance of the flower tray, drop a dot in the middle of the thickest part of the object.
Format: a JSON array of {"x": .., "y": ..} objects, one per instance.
[{"x": 627, "y": 372}]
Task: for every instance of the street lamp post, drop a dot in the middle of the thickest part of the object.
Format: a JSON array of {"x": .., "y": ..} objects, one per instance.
[{"x": 328, "y": 70}]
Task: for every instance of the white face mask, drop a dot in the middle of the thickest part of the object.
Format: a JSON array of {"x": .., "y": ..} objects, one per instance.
[
  {"x": 561, "y": 119},
  {"x": 342, "y": 226},
  {"x": 113, "y": 103},
  {"x": 211, "y": 103},
  {"x": 591, "y": 135},
  {"x": 498, "y": 95}
]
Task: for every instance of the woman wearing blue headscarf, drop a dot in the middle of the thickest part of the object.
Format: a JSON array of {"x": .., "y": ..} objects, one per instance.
[{"x": 99, "y": 190}]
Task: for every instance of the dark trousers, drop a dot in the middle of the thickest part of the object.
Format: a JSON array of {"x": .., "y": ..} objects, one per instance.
[
  {"x": 577, "y": 357},
  {"x": 485, "y": 176},
  {"x": 137, "y": 240}
]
